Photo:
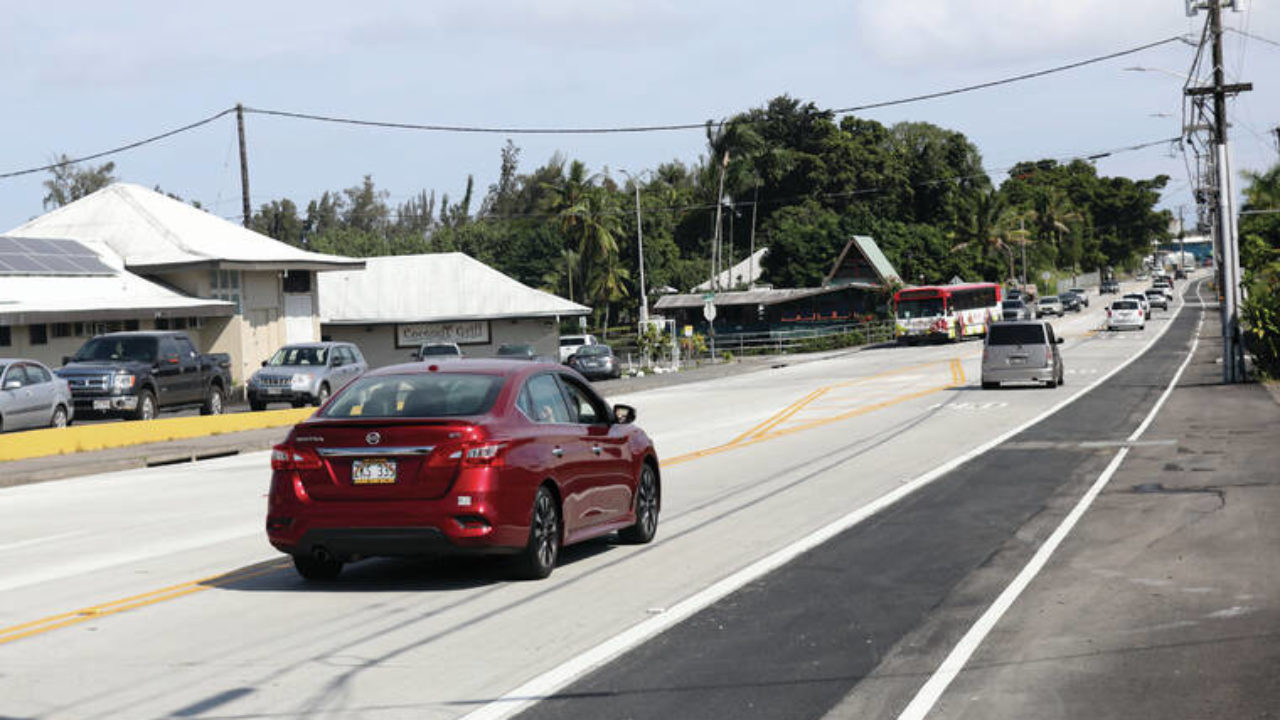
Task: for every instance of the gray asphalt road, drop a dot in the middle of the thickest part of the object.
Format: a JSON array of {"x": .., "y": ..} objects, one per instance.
[
  {"x": 1163, "y": 605},
  {"x": 152, "y": 592}
]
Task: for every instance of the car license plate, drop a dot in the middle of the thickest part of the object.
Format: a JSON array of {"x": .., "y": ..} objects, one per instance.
[
  {"x": 273, "y": 391},
  {"x": 376, "y": 471},
  {"x": 1017, "y": 361},
  {"x": 101, "y": 404}
]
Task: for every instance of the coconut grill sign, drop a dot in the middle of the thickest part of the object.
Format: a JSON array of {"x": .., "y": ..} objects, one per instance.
[{"x": 469, "y": 332}]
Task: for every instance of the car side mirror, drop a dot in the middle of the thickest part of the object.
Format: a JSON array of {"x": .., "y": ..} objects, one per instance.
[
  {"x": 1057, "y": 341},
  {"x": 624, "y": 414},
  {"x": 264, "y": 363},
  {"x": 66, "y": 359}
]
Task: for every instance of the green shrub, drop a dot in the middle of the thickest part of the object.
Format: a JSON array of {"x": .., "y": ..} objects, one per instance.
[
  {"x": 1261, "y": 319},
  {"x": 831, "y": 342}
]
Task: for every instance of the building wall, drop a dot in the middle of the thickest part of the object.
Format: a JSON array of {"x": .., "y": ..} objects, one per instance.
[
  {"x": 259, "y": 328},
  {"x": 59, "y": 345},
  {"x": 378, "y": 342}
]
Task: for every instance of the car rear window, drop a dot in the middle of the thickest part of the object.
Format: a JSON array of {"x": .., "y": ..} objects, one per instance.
[
  {"x": 1124, "y": 305},
  {"x": 425, "y": 395},
  {"x": 1016, "y": 335},
  {"x": 1012, "y": 304}
]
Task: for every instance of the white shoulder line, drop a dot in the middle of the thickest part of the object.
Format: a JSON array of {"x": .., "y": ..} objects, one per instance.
[
  {"x": 932, "y": 690},
  {"x": 545, "y": 685}
]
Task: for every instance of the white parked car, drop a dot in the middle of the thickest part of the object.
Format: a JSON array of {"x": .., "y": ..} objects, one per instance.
[{"x": 570, "y": 344}]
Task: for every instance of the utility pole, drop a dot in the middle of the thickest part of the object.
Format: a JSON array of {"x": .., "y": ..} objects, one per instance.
[
  {"x": 751, "y": 259},
  {"x": 644, "y": 298},
  {"x": 1227, "y": 241},
  {"x": 1022, "y": 240},
  {"x": 715, "y": 242},
  {"x": 244, "y": 167}
]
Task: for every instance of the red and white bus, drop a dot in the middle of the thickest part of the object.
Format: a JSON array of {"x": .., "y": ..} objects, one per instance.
[{"x": 950, "y": 312}]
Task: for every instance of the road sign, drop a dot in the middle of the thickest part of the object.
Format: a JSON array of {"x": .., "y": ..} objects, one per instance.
[
  {"x": 688, "y": 331},
  {"x": 1045, "y": 276},
  {"x": 709, "y": 311}
]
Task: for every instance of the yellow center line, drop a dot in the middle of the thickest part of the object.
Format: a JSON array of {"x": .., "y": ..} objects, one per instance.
[
  {"x": 766, "y": 430},
  {"x": 61, "y": 620}
]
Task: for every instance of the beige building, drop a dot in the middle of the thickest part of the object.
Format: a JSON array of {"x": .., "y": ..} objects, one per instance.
[
  {"x": 244, "y": 293},
  {"x": 397, "y": 303}
]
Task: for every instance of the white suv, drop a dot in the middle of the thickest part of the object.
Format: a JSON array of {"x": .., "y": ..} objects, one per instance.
[{"x": 569, "y": 344}]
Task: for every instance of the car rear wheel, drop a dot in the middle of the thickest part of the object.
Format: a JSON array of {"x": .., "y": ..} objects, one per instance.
[
  {"x": 311, "y": 567},
  {"x": 646, "y": 509},
  {"x": 990, "y": 385},
  {"x": 540, "y": 553},
  {"x": 59, "y": 419}
]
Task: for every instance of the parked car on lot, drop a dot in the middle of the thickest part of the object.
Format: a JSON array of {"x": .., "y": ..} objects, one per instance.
[
  {"x": 517, "y": 352},
  {"x": 1014, "y": 310},
  {"x": 1070, "y": 301},
  {"x": 1126, "y": 313},
  {"x": 570, "y": 344},
  {"x": 1156, "y": 298},
  {"x": 1049, "y": 305},
  {"x": 596, "y": 361},
  {"x": 305, "y": 374},
  {"x": 437, "y": 351},
  {"x": 136, "y": 374},
  {"x": 1023, "y": 351},
  {"x": 490, "y": 456},
  {"x": 1082, "y": 294},
  {"x": 1108, "y": 286},
  {"x": 31, "y": 396}
]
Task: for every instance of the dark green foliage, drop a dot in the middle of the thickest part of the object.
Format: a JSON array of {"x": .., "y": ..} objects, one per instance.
[{"x": 1260, "y": 258}]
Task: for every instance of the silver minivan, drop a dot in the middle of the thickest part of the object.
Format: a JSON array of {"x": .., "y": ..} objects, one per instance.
[{"x": 1022, "y": 351}]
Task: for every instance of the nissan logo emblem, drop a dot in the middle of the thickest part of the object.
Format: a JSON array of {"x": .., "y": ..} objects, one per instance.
[{"x": 373, "y": 438}]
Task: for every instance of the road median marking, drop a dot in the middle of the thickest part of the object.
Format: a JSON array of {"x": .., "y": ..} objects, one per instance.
[
  {"x": 84, "y": 438},
  {"x": 93, "y": 612}
]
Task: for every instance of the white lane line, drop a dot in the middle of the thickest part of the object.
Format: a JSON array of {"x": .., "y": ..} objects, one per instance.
[
  {"x": 94, "y": 563},
  {"x": 932, "y": 690},
  {"x": 39, "y": 540},
  {"x": 545, "y": 685}
]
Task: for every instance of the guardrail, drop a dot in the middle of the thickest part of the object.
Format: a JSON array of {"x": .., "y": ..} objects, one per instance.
[
  {"x": 82, "y": 438},
  {"x": 809, "y": 339}
]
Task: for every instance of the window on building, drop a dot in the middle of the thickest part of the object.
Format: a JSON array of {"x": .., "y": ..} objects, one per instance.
[
  {"x": 6, "y": 336},
  {"x": 162, "y": 323},
  {"x": 297, "y": 281},
  {"x": 226, "y": 286},
  {"x": 60, "y": 330},
  {"x": 39, "y": 334},
  {"x": 131, "y": 324}
]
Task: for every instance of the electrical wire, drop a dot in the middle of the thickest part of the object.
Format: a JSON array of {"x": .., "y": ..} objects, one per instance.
[
  {"x": 122, "y": 148},
  {"x": 701, "y": 125},
  {"x": 1252, "y": 36},
  {"x": 577, "y": 131}
]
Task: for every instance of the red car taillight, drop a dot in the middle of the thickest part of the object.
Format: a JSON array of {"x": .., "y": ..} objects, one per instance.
[
  {"x": 287, "y": 457},
  {"x": 483, "y": 454}
]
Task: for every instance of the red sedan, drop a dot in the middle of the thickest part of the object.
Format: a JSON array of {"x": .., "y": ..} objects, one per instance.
[{"x": 491, "y": 456}]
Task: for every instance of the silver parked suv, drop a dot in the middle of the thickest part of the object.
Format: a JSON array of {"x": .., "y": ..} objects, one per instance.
[
  {"x": 1022, "y": 351},
  {"x": 305, "y": 373}
]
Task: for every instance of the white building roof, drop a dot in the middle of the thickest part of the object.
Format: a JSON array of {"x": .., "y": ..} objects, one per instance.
[
  {"x": 748, "y": 271},
  {"x": 27, "y": 299},
  {"x": 154, "y": 232},
  {"x": 430, "y": 288}
]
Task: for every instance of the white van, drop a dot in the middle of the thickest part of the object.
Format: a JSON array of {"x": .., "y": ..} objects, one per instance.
[{"x": 569, "y": 344}]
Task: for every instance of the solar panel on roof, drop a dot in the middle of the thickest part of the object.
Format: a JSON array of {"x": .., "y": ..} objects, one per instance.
[{"x": 42, "y": 256}]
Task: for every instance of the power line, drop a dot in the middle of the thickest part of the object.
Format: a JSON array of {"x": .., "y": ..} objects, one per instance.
[
  {"x": 577, "y": 131},
  {"x": 1252, "y": 36},
  {"x": 700, "y": 125},
  {"x": 122, "y": 148}
]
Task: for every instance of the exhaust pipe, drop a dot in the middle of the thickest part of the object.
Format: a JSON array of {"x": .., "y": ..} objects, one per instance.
[{"x": 322, "y": 554}]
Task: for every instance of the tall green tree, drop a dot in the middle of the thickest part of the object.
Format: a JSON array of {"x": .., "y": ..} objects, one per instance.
[{"x": 70, "y": 182}]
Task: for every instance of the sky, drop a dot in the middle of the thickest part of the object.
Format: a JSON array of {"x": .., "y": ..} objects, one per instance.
[{"x": 80, "y": 77}]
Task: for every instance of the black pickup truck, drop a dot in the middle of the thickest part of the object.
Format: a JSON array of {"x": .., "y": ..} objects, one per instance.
[{"x": 137, "y": 374}]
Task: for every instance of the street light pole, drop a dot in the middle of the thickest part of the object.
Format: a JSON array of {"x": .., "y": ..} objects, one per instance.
[{"x": 644, "y": 296}]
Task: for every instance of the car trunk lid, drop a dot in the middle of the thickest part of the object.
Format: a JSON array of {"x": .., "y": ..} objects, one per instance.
[{"x": 384, "y": 460}]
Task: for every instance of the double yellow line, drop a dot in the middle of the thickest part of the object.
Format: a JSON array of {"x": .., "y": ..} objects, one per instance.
[
  {"x": 93, "y": 612},
  {"x": 767, "y": 429}
]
